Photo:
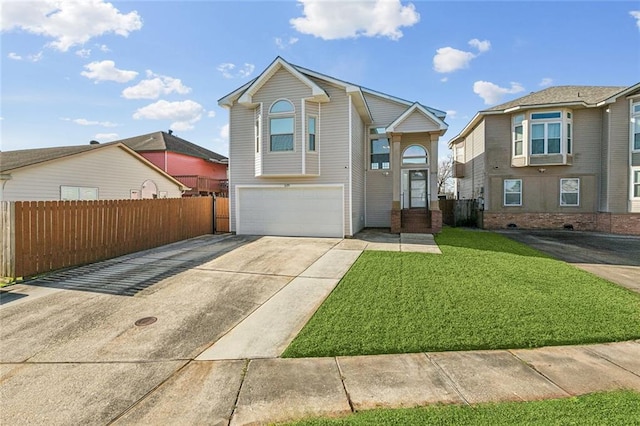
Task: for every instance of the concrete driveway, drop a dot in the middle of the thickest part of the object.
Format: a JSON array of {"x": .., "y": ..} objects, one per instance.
[
  {"x": 613, "y": 257},
  {"x": 72, "y": 353}
]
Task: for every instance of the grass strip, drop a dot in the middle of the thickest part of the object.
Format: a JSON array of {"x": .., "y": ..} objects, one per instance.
[
  {"x": 484, "y": 292},
  {"x": 610, "y": 408}
]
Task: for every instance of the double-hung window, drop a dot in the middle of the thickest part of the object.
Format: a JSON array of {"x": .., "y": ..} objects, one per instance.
[
  {"x": 380, "y": 149},
  {"x": 635, "y": 126},
  {"x": 636, "y": 183},
  {"x": 311, "y": 131},
  {"x": 513, "y": 192},
  {"x": 281, "y": 124},
  {"x": 546, "y": 132},
  {"x": 570, "y": 192},
  {"x": 518, "y": 135}
]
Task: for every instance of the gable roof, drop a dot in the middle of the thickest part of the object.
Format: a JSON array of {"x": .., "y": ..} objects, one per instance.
[
  {"x": 557, "y": 96},
  {"x": 15, "y": 160},
  {"x": 301, "y": 72},
  {"x": 562, "y": 95},
  {"x": 416, "y": 107},
  {"x": 162, "y": 141}
]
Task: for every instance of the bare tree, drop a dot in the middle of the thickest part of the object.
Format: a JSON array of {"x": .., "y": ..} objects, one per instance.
[{"x": 445, "y": 175}]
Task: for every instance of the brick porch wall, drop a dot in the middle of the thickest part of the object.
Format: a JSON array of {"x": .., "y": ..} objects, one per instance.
[
  {"x": 628, "y": 223},
  {"x": 397, "y": 225}
]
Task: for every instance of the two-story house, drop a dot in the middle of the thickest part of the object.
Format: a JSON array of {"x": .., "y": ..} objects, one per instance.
[
  {"x": 563, "y": 157},
  {"x": 202, "y": 170},
  {"x": 312, "y": 155}
]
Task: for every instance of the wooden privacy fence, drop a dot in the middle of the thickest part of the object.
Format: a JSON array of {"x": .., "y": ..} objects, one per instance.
[
  {"x": 460, "y": 212},
  {"x": 222, "y": 214},
  {"x": 43, "y": 236}
]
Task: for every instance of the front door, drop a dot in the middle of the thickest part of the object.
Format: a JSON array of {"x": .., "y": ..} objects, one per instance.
[{"x": 414, "y": 188}]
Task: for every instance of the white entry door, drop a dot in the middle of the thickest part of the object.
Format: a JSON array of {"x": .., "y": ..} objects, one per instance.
[
  {"x": 415, "y": 188},
  {"x": 297, "y": 211}
]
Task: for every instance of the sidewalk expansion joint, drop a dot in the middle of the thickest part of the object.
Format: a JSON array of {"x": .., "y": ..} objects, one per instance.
[
  {"x": 540, "y": 373},
  {"x": 344, "y": 386},
  {"x": 604, "y": 357},
  {"x": 245, "y": 369},
  {"x": 446, "y": 378}
]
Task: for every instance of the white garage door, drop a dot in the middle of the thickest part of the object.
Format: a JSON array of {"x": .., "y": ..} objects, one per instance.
[{"x": 298, "y": 211}]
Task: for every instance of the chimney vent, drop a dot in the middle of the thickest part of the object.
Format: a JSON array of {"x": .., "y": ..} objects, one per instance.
[{"x": 94, "y": 142}]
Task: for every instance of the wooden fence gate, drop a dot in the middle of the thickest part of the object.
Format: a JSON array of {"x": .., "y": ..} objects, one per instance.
[
  {"x": 460, "y": 212},
  {"x": 222, "y": 214}
]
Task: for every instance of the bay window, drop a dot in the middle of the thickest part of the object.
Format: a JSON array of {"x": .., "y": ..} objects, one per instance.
[
  {"x": 546, "y": 133},
  {"x": 281, "y": 123},
  {"x": 635, "y": 126},
  {"x": 518, "y": 135}
]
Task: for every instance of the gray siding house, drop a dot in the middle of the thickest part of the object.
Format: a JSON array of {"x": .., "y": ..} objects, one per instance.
[
  {"x": 86, "y": 172},
  {"x": 311, "y": 155},
  {"x": 563, "y": 157}
]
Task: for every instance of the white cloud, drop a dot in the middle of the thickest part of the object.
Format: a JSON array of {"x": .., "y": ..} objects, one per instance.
[
  {"x": 283, "y": 43},
  {"x": 211, "y": 114},
  {"x": 332, "y": 20},
  {"x": 83, "y": 53},
  {"x": 452, "y": 113},
  {"x": 492, "y": 93},
  {"x": 636, "y": 14},
  {"x": 85, "y": 122},
  {"x": 545, "y": 82},
  {"x": 32, "y": 58},
  {"x": 482, "y": 46},
  {"x": 106, "y": 137},
  {"x": 154, "y": 86},
  {"x": 14, "y": 56},
  {"x": 104, "y": 48},
  {"x": 444, "y": 79},
  {"x": 184, "y": 114},
  {"x": 448, "y": 59},
  {"x": 228, "y": 70},
  {"x": 107, "y": 71},
  {"x": 69, "y": 23}
]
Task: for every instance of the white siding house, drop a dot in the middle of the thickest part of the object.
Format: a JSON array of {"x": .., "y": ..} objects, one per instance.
[
  {"x": 311, "y": 155},
  {"x": 89, "y": 172}
]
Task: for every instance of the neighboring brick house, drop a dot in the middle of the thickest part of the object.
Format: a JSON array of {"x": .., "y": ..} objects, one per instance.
[
  {"x": 202, "y": 170},
  {"x": 563, "y": 157},
  {"x": 312, "y": 155}
]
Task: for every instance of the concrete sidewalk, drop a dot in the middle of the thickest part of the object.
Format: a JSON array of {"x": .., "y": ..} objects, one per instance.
[{"x": 262, "y": 391}]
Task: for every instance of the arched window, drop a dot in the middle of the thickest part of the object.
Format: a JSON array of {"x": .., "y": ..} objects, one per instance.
[
  {"x": 282, "y": 105},
  {"x": 281, "y": 125},
  {"x": 415, "y": 154}
]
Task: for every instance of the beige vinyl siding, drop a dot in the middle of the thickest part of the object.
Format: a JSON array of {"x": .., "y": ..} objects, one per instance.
[
  {"x": 112, "y": 170},
  {"x": 603, "y": 199},
  {"x": 384, "y": 111},
  {"x": 333, "y": 128},
  {"x": 469, "y": 187},
  {"x": 379, "y": 196},
  {"x": 283, "y": 85},
  {"x": 259, "y": 151},
  {"x": 417, "y": 122},
  {"x": 241, "y": 153},
  {"x": 619, "y": 152},
  {"x": 312, "y": 159},
  {"x": 357, "y": 171}
]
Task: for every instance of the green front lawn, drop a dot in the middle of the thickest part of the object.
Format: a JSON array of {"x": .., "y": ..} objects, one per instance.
[
  {"x": 613, "y": 408},
  {"x": 484, "y": 292}
]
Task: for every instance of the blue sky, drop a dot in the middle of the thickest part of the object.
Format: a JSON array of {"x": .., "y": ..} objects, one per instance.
[{"x": 73, "y": 72}]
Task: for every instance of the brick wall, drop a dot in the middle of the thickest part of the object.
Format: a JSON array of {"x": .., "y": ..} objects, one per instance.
[{"x": 628, "y": 224}]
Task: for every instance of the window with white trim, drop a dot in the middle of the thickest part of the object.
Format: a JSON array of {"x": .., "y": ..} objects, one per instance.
[
  {"x": 415, "y": 154},
  {"x": 635, "y": 126},
  {"x": 636, "y": 182},
  {"x": 518, "y": 135},
  {"x": 281, "y": 125},
  {"x": 78, "y": 193},
  {"x": 570, "y": 192},
  {"x": 311, "y": 133},
  {"x": 257, "y": 129},
  {"x": 513, "y": 192},
  {"x": 546, "y": 135},
  {"x": 380, "y": 149}
]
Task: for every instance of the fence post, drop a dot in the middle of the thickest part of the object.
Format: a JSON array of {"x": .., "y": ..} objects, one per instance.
[{"x": 8, "y": 249}]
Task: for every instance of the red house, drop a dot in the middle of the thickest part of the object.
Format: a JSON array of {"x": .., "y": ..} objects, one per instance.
[{"x": 202, "y": 170}]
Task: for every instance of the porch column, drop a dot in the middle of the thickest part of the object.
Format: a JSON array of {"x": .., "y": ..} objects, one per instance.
[
  {"x": 396, "y": 162},
  {"x": 434, "y": 204}
]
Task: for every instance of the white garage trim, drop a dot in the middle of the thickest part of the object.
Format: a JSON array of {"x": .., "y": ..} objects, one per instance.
[{"x": 255, "y": 215}]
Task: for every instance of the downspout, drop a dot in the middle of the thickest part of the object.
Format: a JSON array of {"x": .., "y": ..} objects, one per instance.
[
  {"x": 349, "y": 168},
  {"x": 303, "y": 138}
]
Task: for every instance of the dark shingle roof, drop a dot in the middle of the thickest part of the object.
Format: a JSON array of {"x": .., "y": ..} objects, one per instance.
[
  {"x": 589, "y": 95},
  {"x": 10, "y": 160},
  {"x": 162, "y": 141}
]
